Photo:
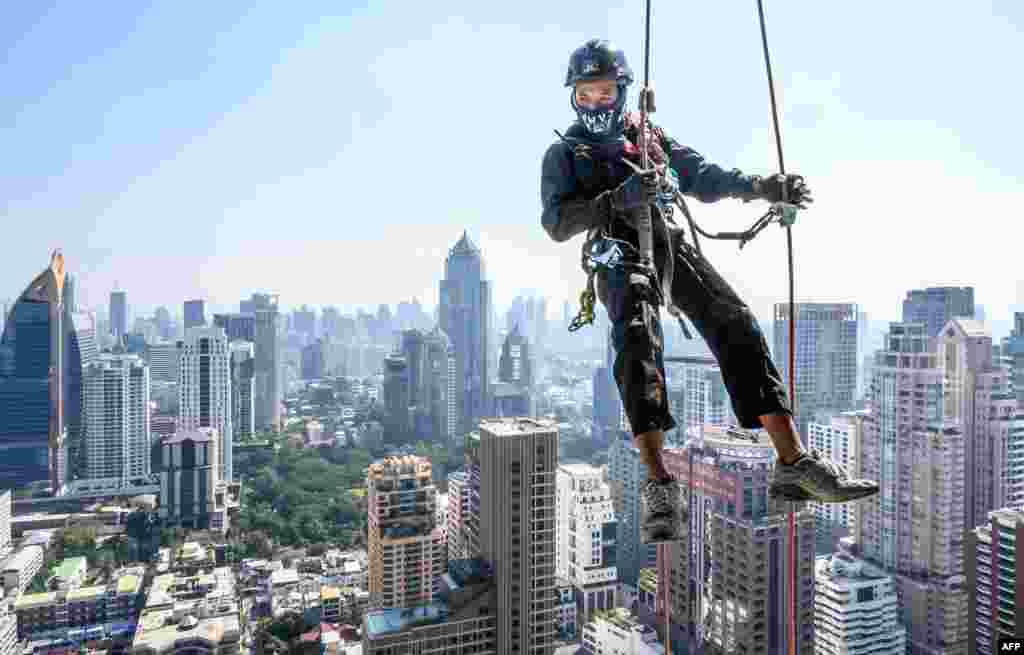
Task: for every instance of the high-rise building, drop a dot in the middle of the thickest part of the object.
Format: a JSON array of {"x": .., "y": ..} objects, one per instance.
[
  {"x": 115, "y": 395},
  {"x": 995, "y": 564},
  {"x": 314, "y": 360},
  {"x": 856, "y": 610},
  {"x": 586, "y": 537},
  {"x": 32, "y": 385},
  {"x": 728, "y": 576},
  {"x": 194, "y": 313},
  {"x": 458, "y": 509},
  {"x": 396, "y": 399},
  {"x": 163, "y": 361},
  {"x": 243, "y": 418},
  {"x": 406, "y": 547},
  {"x": 979, "y": 397},
  {"x": 626, "y": 476},
  {"x": 267, "y": 368},
  {"x": 205, "y": 391},
  {"x": 330, "y": 323},
  {"x": 913, "y": 529},
  {"x": 441, "y": 385},
  {"x": 237, "y": 327},
  {"x": 414, "y": 350},
  {"x": 1013, "y": 351},
  {"x": 515, "y": 365},
  {"x": 615, "y": 630},
  {"x": 304, "y": 322},
  {"x": 836, "y": 440},
  {"x": 80, "y": 350},
  {"x": 607, "y": 404},
  {"x": 511, "y": 465},
  {"x": 706, "y": 400},
  {"x": 826, "y": 356},
  {"x": 192, "y": 494},
  {"x": 465, "y": 317},
  {"x": 934, "y": 306},
  {"x": 118, "y": 314}
]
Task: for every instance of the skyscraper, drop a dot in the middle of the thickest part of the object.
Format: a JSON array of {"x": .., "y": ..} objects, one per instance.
[
  {"x": 117, "y": 434},
  {"x": 195, "y": 313},
  {"x": 118, "y": 314},
  {"x": 513, "y": 393},
  {"x": 836, "y": 440},
  {"x": 205, "y": 391},
  {"x": 856, "y": 610},
  {"x": 913, "y": 529},
  {"x": 515, "y": 365},
  {"x": 406, "y": 549},
  {"x": 80, "y": 350},
  {"x": 396, "y": 399},
  {"x": 304, "y": 322},
  {"x": 465, "y": 317},
  {"x": 934, "y": 306},
  {"x": 267, "y": 367},
  {"x": 627, "y": 474},
  {"x": 163, "y": 361},
  {"x": 32, "y": 387},
  {"x": 994, "y": 555},
  {"x": 734, "y": 556},
  {"x": 458, "y": 509},
  {"x": 440, "y": 382},
  {"x": 1013, "y": 350},
  {"x": 512, "y": 465},
  {"x": 192, "y": 493},
  {"x": 979, "y": 399},
  {"x": 237, "y": 326},
  {"x": 705, "y": 398},
  {"x": 826, "y": 356},
  {"x": 585, "y": 541},
  {"x": 243, "y": 418}
]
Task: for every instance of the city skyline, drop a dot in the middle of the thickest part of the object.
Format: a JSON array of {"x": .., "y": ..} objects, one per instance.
[{"x": 244, "y": 128}]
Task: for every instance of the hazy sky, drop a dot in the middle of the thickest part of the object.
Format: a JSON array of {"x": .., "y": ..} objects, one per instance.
[{"x": 333, "y": 152}]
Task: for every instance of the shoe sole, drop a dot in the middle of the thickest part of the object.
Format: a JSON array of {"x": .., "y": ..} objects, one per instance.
[{"x": 797, "y": 493}]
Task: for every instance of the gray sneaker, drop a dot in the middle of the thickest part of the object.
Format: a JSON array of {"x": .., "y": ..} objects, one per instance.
[
  {"x": 813, "y": 477},
  {"x": 662, "y": 514}
]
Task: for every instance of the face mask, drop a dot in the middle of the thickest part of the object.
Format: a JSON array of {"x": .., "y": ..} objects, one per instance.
[{"x": 602, "y": 122}]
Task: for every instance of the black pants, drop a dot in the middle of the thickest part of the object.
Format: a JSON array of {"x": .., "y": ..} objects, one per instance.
[{"x": 722, "y": 319}]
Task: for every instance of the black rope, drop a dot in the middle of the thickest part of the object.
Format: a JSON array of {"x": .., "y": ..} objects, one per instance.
[{"x": 793, "y": 649}]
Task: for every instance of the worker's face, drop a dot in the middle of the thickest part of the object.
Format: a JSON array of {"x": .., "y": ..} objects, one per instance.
[{"x": 596, "y": 94}]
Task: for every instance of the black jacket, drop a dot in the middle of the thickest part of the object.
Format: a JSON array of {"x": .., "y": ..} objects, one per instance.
[
  {"x": 576, "y": 190},
  {"x": 573, "y": 188}
]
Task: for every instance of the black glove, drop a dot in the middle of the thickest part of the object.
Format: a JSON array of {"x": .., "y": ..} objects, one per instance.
[
  {"x": 790, "y": 188},
  {"x": 638, "y": 190}
]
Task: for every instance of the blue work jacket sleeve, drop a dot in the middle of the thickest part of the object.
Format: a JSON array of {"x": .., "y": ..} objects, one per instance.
[
  {"x": 706, "y": 181},
  {"x": 567, "y": 211}
]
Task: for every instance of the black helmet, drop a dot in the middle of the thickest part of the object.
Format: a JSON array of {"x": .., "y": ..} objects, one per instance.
[{"x": 597, "y": 59}]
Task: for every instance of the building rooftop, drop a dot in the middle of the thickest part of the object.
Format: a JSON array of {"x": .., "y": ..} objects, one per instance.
[
  {"x": 516, "y": 426},
  {"x": 197, "y": 436},
  {"x": 383, "y": 622},
  {"x": 85, "y": 593},
  {"x": 842, "y": 569},
  {"x": 70, "y": 566},
  {"x": 621, "y": 618},
  {"x": 648, "y": 580},
  {"x": 22, "y": 557},
  {"x": 160, "y": 631}
]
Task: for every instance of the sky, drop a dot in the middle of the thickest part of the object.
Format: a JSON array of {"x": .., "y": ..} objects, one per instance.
[{"x": 332, "y": 152}]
